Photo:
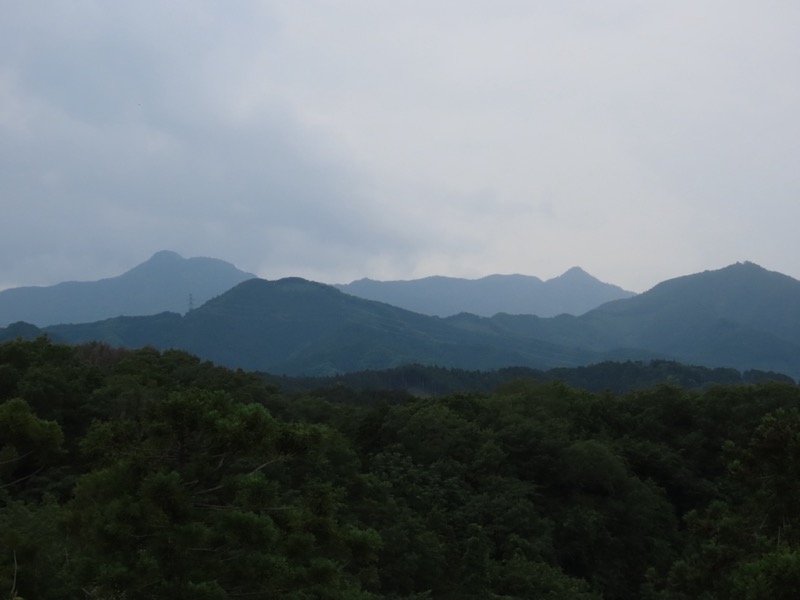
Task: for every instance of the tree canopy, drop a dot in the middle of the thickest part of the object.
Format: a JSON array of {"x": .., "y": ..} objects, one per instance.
[{"x": 150, "y": 474}]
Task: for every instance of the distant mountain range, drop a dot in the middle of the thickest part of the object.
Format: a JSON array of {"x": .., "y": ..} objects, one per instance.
[
  {"x": 296, "y": 326},
  {"x": 742, "y": 316},
  {"x": 166, "y": 282},
  {"x": 575, "y": 292}
]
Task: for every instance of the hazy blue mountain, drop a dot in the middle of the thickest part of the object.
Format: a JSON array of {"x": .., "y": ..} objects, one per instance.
[
  {"x": 575, "y": 292},
  {"x": 296, "y": 326},
  {"x": 164, "y": 283},
  {"x": 741, "y": 317},
  {"x": 736, "y": 316}
]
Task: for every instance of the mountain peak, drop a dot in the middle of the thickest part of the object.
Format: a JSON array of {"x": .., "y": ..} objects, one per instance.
[
  {"x": 746, "y": 265},
  {"x": 165, "y": 282},
  {"x": 256, "y": 287},
  {"x": 165, "y": 255},
  {"x": 575, "y": 273},
  {"x": 734, "y": 274},
  {"x": 573, "y": 292},
  {"x": 159, "y": 260}
]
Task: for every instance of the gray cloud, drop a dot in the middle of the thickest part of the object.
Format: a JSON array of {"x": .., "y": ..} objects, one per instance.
[
  {"x": 349, "y": 139},
  {"x": 120, "y": 148}
]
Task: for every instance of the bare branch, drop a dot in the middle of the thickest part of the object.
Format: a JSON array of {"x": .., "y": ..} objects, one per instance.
[
  {"x": 21, "y": 479},
  {"x": 209, "y": 490},
  {"x": 16, "y": 458},
  {"x": 13, "y": 593},
  {"x": 279, "y": 459}
]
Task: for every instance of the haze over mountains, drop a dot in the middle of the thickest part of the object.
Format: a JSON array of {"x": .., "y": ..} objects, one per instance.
[
  {"x": 169, "y": 282},
  {"x": 165, "y": 282},
  {"x": 742, "y": 316},
  {"x": 575, "y": 292}
]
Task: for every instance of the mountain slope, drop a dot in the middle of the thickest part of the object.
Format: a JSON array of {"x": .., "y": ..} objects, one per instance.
[
  {"x": 163, "y": 283},
  {"x": 296, "y": 326},
  {"x": 573, "y": 292},
  {"x": 744, "y": 293},
  {"x": 742, "y": 316}
]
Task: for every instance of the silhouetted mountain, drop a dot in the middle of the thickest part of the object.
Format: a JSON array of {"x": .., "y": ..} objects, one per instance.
[
  {"x": 296, "y": 326},
  {"x": 741, "y": 317},
  {"x": 166, "y": 282},
  {"x": 574, "y": 292}
]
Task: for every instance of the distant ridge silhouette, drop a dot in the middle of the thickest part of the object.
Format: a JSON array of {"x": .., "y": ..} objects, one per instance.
[
  {"x": 574, "y": 292},
  {"x": 165, "y": 282},
  {"x": 742, "y": 317}
]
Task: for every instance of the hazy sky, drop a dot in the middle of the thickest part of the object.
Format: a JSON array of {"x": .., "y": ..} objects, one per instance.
[{"x": 339, "y": 139}]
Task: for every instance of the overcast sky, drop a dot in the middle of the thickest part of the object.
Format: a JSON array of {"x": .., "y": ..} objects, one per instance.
[{"x": 640, "y": 140}]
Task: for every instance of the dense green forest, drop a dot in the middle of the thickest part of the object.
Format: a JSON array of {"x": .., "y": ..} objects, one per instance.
[
  {"x": 146, "y": 474},
  {"x": 427, "y": 380}
]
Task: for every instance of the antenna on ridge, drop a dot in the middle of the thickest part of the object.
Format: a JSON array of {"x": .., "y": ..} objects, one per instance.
[{"x": 191, "y": 303}]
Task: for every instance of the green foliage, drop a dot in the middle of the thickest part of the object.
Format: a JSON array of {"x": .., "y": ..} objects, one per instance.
[
  {"x": 149, "y": 474},
  {"x": 188, "y": 499},
  {"x": 27, "y": 444},
  {"x": 774, "y": 575},
  {"x": 32, "y": 549}
]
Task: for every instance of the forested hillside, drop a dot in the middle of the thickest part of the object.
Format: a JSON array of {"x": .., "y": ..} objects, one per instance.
[
  {"x": 143, "y": 474},
  {"x": 608, "y": 376}
]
